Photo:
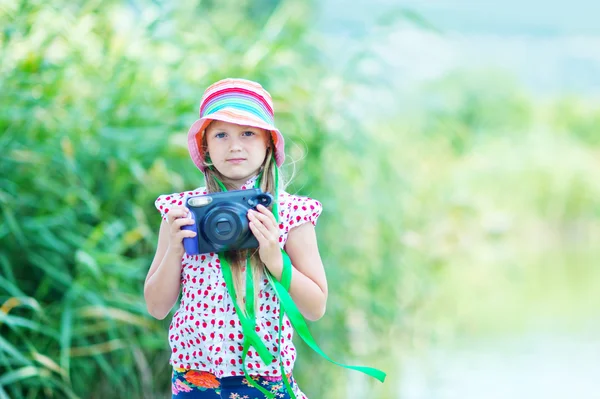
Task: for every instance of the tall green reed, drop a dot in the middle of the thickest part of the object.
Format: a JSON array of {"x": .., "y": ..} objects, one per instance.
[{"x": 97, "y": 100}]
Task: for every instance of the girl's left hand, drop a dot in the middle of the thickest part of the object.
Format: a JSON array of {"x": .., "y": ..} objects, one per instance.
[{"x": 264, "y": 227}]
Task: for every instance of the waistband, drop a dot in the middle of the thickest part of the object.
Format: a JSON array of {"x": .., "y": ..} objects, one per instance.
[{"x": 233, "y": 381}]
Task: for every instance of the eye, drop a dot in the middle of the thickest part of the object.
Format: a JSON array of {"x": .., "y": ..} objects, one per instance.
[
  {"x": 220, "y": 135},
  {"x": 248, "y": 133}
]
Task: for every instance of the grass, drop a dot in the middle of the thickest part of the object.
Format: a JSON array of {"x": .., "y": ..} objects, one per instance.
[{"x": 473, "y": 203}]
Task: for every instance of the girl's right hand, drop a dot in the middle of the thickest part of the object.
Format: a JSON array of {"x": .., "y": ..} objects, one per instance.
[{"x": 176, "y": 218}]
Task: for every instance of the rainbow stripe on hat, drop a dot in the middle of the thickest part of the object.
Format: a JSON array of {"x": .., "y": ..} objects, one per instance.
[{"x": 238, "y": 101}]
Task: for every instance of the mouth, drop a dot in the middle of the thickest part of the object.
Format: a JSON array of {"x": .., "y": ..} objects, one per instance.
[{"x": 236, "y": 160}]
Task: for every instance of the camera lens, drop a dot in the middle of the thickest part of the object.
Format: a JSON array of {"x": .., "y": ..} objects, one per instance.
[
  {"x": 226, "y": 225},
  {"x": 223, "y": 227}
]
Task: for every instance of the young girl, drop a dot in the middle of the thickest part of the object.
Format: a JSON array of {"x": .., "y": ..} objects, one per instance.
[{"x": 214, "y": 355}]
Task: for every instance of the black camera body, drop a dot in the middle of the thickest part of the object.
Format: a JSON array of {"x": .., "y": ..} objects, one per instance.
[{"x": 221, "y": 221}]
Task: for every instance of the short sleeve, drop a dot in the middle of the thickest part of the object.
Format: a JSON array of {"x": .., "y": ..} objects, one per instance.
[
  {"x": 302, "y": 210},
  {"x": 167, "y": 201}
]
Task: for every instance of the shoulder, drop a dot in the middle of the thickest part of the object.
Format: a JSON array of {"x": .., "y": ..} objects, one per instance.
[
  {"x": 297, "y": 209},
  {"x": 166, "y": 201}
]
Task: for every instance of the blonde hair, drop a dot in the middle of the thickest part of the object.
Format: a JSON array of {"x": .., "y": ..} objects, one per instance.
[{"x": 237, "y": 258}]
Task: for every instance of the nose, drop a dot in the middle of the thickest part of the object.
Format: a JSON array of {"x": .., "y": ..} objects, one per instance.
[{"x": 235, "y": 144}]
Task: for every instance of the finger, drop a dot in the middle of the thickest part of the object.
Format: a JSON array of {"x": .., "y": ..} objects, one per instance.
[
  {"x": 177, "y": 212},
  {"x": 265, "y": 219},
  {"x": 185, "y": 233},
  {"x": 184, "y": 221},
  {"x": 262, "y": 240},
  {"x": 267, "y": 236},
  {"x": 266, "y": 211},
  {"x": 267, "y": 228}
]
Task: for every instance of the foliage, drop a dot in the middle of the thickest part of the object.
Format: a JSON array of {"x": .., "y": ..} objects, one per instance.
[{"x": 97, "y": 98}]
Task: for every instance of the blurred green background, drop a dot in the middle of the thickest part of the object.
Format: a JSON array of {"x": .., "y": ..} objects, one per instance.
[{"x": 457, "y": 163}]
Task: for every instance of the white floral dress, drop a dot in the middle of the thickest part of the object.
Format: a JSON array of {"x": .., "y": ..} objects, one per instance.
[{"x": 205, "y": 333}]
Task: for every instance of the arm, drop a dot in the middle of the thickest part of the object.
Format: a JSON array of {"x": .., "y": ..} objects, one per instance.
[
  {"x": 309, "y": 284},
  {"x": 163, "y": 281}
]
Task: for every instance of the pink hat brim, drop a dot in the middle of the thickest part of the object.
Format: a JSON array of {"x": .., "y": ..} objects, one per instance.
[{"x": 196, "y": 131}]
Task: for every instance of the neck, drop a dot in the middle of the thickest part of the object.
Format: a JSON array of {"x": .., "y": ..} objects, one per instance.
[{"x": 236, "y": 184}]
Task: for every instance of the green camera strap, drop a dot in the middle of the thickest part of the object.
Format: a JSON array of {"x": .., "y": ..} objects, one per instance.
[
  {"x": 247, "y": 318},
  {"x": 286, "y": 306}
]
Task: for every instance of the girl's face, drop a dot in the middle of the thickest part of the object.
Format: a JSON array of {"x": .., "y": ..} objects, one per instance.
[{"x": 236, "y": 151}]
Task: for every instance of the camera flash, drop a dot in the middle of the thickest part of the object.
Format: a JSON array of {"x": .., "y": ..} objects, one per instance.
[{"x": 199, "y": 201}]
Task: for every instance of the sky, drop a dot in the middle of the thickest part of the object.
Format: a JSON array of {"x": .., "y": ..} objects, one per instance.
[
  {"x": 552, "y": 47},
  {"x": 534, "y": 17}
]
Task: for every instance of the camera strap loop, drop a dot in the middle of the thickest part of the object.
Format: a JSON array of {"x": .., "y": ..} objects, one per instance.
[
  {"x": 286, "y": 281},
  {"x": 248, "y": 322},
  {"x": 247, "y": 318},
  {"x": 286, "y": 307},
  {"x": 220, "y": 183},
  {"x": 300, "y": 326}
]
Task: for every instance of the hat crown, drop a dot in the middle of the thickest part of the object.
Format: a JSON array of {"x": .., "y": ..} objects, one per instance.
[{"x": 240, "y": 94}]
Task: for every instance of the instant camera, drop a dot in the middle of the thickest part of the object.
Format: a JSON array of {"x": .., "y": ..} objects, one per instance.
[{"x": 221, "y": 221}]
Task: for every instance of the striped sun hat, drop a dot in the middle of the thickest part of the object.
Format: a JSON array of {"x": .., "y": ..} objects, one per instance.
[{"x": 238, "y": 101}]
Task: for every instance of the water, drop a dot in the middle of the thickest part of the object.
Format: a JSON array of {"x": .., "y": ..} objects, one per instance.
[{"x": 545, "y": 366}]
